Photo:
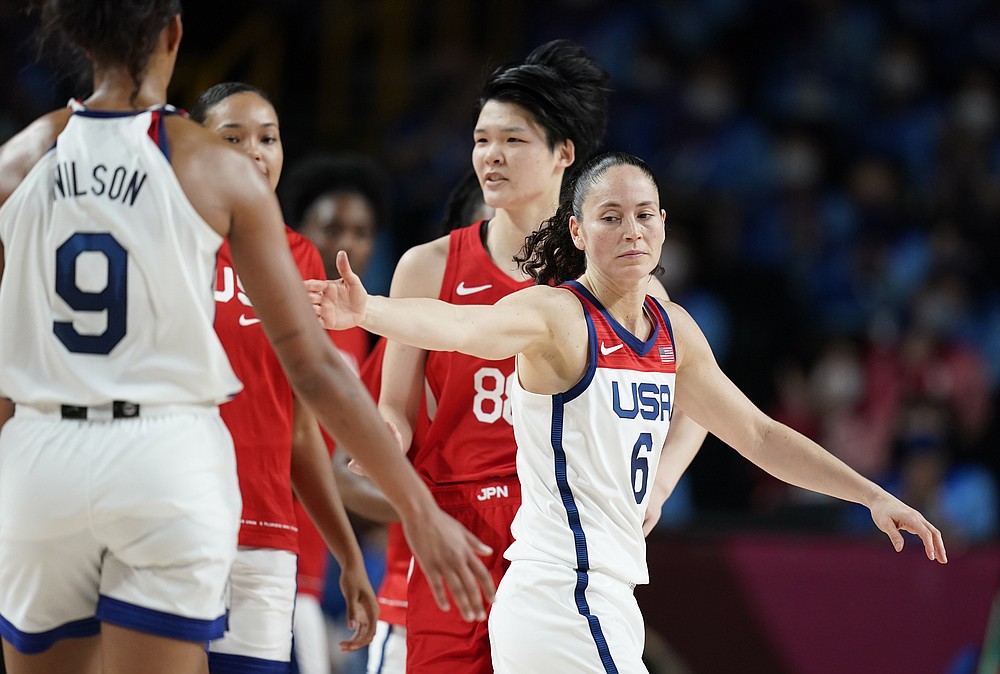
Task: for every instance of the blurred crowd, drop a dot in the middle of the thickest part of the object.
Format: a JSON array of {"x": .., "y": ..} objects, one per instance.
[{"x": 832, "y": 173}]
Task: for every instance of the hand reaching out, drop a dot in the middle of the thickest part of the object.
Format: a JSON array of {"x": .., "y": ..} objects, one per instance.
[{"x": 339, "y": 304}]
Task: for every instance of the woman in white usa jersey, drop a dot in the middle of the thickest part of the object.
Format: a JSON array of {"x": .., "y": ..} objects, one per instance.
[
  {"x": 118, "y": 490},
  {"x": 601, "y": 367}
]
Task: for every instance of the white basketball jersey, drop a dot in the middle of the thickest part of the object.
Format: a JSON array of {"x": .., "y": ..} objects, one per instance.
[
  {"x": 109, "y": 272},
  {"x": 586, "y": 458}
]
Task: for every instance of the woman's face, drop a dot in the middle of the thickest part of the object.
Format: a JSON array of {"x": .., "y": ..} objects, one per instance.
[
  {"x": 512, "y": 158},
  {"x": 341, "y": 221},
  {"x": 247, "y": 120},
  {"x": 621, "y": 228}
]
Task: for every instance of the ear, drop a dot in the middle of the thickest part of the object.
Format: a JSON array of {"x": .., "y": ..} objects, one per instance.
[
  {"x": 566, "y": 152},
  {"x": 574, "y": 232},
  {"x": 174, "y": 32}
]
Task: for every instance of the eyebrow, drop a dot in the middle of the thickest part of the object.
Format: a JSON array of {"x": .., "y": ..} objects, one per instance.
[
  {"x": 506, "y": 129},
  {"x": 615, "y": 204},
  {"x": 237, "y": 125}
]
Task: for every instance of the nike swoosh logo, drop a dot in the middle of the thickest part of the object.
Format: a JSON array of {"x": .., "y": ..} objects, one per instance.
[
  {"x": 463, "y": 289},
  {"x": 244, "y": 321},
  {"x": 606, "y": 351}
]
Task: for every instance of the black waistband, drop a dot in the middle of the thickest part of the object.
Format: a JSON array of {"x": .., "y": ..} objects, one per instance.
[{"x": 119, "y": 410}]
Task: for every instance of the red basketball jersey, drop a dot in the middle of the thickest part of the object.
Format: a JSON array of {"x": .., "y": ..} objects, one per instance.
[
  {"x": 470, "y": 437},
  {"x": 260, "y": 417}
]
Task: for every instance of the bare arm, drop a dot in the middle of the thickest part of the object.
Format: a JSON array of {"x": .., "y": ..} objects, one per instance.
[
  {"x": 359, "y": 494},
  {"x": 711, "y": 399},
  {"x": 518, "y": 323},
  {"x": 419, "y": 273},
  {"x": 684, "y": 439},
  {"x": 313, "y": 481}
]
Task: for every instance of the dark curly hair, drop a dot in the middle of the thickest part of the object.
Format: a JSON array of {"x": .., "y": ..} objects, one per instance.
[
  {"x": 549, "y": 255},
  {"x": 563, "y": 88},
  {"x": 108, "y": 32},
  {"x": 217, "y": 93}
]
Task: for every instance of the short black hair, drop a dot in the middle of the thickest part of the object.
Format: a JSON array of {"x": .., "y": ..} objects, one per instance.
[{"x": 565, "y": 90}]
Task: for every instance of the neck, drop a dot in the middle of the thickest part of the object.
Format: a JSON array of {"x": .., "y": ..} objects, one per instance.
[
  {"x": 506, "y": 233},
  {"x": 114, "y": 89},
  {"x": 625, "y": 304}
]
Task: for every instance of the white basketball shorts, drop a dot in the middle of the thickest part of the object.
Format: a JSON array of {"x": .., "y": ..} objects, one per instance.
[
  {"x": 549, "y": 618},
  {"x": 127, "y": 521},
  {"x": 262, "y": 600},
  {"x": 387, "y": 651}
]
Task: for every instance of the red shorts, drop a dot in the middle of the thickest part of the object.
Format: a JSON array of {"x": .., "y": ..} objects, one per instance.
[{"x": 442, "y": 642}]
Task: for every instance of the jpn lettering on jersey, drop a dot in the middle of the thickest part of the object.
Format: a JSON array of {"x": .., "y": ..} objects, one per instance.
[{"x": 653, "y": 402}]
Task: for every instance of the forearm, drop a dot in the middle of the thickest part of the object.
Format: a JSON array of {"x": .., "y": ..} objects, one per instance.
[
  {"x": 790, "y": 456},
  {"x": 684, "y": 439},
  {"x": 359, "y": 494},
  {"x": 348, "y": 413},
  {"x": 313, "y": 483},
  {"x": 481, "y": 330}
]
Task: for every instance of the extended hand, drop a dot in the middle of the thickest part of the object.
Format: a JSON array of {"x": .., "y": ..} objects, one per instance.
[
  {"x": 339, "y": 304},
  {"x": 892, "y": 516}
]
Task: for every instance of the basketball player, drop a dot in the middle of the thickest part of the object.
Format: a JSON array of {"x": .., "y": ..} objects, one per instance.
[
  {"x": 387, "y": 652},
  {"x": 536, "y": 120},
  {"x": 599, "y": 363},
  {"x": 118, "y": 484},
  {"x": 278, "y": 443}
]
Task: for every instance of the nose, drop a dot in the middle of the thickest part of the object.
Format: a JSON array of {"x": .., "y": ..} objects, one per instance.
[
  {"x": 632, "y": 228},
  {"x": 494, "y": 154}
]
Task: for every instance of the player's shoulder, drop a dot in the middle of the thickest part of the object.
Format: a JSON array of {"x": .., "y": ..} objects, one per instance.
[
  {"x": 420, "y": 270},
  {"x": 22, "y": 151}
]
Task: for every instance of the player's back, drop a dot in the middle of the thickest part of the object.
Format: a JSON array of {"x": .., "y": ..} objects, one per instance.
[{"x": 109, "y": 270}]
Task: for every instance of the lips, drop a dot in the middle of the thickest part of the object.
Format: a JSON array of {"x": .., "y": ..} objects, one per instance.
[{"x": 493, "y": 177}]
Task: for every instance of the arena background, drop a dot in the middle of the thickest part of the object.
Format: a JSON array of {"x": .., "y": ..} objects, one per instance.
[{"x": 831, "y": 174}]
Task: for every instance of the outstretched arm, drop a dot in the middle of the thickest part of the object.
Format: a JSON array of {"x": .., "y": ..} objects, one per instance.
[
  {"x": 493, "y": 332},
  {"x": 712, "y": 400}
]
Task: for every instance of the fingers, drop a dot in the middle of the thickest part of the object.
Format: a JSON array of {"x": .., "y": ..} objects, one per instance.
[
  {"x": 315, "y": 286},
  {"x": 932, "y": 539},
  {"x": 344, "y": 267},
  {"x": 361, "y": 620},
  {"x": 356, "y": 468}
]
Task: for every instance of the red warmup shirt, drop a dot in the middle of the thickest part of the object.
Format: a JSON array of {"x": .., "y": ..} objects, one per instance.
[
  {"x": 353, "y": 345},
  {"x": 260, "y": 417}
]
